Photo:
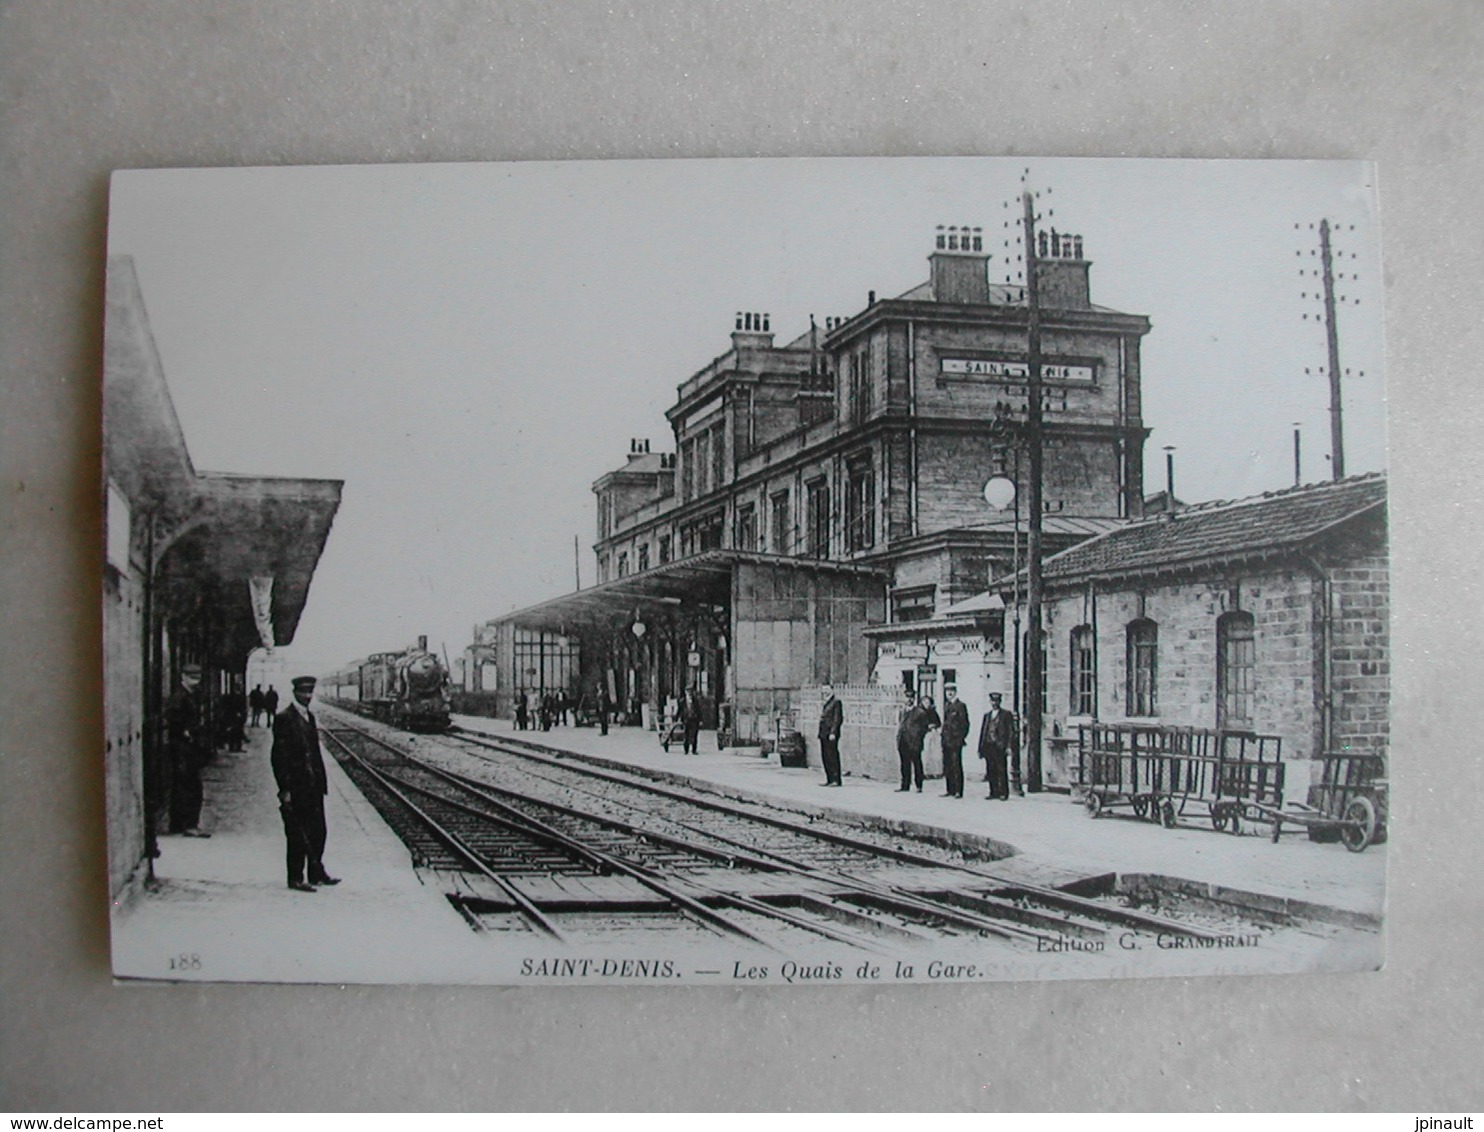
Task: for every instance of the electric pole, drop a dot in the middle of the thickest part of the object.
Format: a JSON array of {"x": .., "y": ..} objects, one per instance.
[
  {"x": 1336, "y": 428},
  {"x": 1035, "y": 675}
]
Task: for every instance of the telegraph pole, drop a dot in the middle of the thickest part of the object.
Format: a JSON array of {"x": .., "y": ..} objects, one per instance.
[
  {"x": 1336, "y": 430},
  {"x": 1035, "y": 675}
]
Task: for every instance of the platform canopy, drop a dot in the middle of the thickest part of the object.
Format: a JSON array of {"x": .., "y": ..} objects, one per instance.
[
  {"x": 704, "y": 579},
  {"x": 235, "y": 551}
]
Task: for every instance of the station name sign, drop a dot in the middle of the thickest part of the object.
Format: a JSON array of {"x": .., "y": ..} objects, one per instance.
[{"x": 1014, "y": 371}]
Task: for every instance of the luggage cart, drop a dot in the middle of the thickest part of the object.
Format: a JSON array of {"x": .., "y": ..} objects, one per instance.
[
  {"x": 1249, "y": 778},
  {"x": 1348, "y": 804},
  {"x": 1184, "y": 772},
  {"x": 1144, "y": 768}
]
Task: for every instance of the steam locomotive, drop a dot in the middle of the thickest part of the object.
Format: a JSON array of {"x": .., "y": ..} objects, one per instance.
[{"x": 406, "y": 689}]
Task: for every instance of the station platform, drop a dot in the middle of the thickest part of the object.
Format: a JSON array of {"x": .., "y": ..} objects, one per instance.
[
  {"x": 219, "y": 908},
  {"x": 1047, "y": 831}
]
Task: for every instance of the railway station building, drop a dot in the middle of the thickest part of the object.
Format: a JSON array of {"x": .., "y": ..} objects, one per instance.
[
  {"x": 1269, "y": 615},
  {"x": 201, "y": 569},
  {"x": 821, "y": 516}
]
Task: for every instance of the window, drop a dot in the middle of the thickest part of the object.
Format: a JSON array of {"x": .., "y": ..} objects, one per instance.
[
  {"x": 687, "y": 469},
  {"x": 644, "y": 557},
  {"x": 1236, "y": 671},
  {"x": 602, "y": 567},
  {"x": 665, "y": 544},
  {"x": 1084, "y": 672},
  {"x": 747, "y": 527},
  {"x": 819, "y": 519},
  {"x": 718, "y": 457},
  {"x": 703, "y": 464},
  {"x": 605, "y": 514},
  {"x": 859, "y": 367},
  {"x": 1025, "y": 679},
  {"x": 1143, "y": 668},
  {"x": 914, "y": 603},
  {"x": 623, "y": 563},
  {"x": 781, "y": 540},
  {"x": 860, "y": 506}
]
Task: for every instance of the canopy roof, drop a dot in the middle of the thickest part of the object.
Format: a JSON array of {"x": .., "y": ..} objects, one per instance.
[{"x": 703, "y": 579}]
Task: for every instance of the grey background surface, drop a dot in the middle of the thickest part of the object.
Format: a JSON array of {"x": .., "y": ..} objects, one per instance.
[{"x": 90, "y": 86}]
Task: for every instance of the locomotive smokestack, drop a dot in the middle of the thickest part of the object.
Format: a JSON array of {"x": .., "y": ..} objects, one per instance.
[{"x": 422, "y": 642}]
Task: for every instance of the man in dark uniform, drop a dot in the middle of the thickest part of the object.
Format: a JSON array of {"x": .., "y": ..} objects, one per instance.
[
  {"x": 919, "y": 720},
  {"x": 998, "y": 738},
  {"x": 690, "y": 722},
  {"x": 185, "y": 730},
  {"x": 270, "y": 705},
  {"x": 299, "y": 770},
  {"x": 831, "y": 720},
  {"x": 255, "y": 702},
  {"x": 955, "y": 733}
]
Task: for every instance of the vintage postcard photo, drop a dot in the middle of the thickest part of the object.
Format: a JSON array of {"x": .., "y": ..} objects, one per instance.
[{"x": 745, "y": 572}]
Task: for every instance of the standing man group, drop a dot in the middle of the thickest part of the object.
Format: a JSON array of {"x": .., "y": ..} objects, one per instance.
[
  {"x": 999, "y": 741},
  {"x": 299, "y": 769},
  {"x": 831, "y": 720}
]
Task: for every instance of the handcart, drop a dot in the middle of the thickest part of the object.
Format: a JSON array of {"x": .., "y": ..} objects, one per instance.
[
  {"x": 1147, "y": 769},
  {"x": 1162, "y": 773},
  {"x": 1348, "y": 804},
  {"x": 1249, "y": 778}
]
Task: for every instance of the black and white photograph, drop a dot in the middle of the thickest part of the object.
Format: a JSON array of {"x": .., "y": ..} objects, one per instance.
[{"x": 745, "y": 572}]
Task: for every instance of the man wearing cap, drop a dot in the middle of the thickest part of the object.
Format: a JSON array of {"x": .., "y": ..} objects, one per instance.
[
  {"x": 299, "y": 770},
  {"x": 955, "y": 732},
  {"x": 998, "y": 739},
  {"x": 186, "y": 732},
  {"x": 831, "y": 720}
]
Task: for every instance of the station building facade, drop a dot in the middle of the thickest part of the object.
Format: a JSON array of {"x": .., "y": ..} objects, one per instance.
[
  {"x": 858, "y": 449},
  {"x": 201, "y": 569},
  {"x": 1268, "y": 615}
]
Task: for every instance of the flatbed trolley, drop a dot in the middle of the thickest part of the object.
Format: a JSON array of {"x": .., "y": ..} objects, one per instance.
[
  {"x": 1151, "y": 770},
  {"x": 1249, "y": 778},
  {"x": 1349, "y": 803},
  {"x": 1161, "y": 773}
]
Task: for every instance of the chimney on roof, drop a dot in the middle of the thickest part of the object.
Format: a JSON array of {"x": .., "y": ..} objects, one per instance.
[
  {"x": 753, "y": 330},
  {"x": 1062, "y": 272},
  {"x": 960, "y": 265},
  {"x": 638, "y": 448}
]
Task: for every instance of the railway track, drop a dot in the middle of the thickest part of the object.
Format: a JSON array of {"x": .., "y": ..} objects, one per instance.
[{"x": 528, "y": 841}]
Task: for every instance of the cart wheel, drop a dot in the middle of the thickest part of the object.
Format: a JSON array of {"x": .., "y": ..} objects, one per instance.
[
  {"x": 1167, "y": 815},
  {"x": 1141, "y": 807},
  {"x": 1359, "y": 829},
  {"x": 1094, "y": 804}
]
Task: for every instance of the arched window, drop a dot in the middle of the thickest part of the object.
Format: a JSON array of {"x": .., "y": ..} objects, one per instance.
[
  {"x": 1143, "y": 668},
  {"x": 1084, "y": 673},
  {"x": 1236, "y": 671}
]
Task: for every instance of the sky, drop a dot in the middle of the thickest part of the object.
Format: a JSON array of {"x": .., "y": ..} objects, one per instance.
[{"x": 470, "y": 346}]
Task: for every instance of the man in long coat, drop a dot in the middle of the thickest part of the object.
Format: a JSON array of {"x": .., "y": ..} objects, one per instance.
[
  {"x": 690, "y": 722},
  {"x": 299, "y": 769},
  {"x": 831, "y": 720},
  {"x": 921, "y": 718},
  {"x": 185, "y": 731},
  {"x": 998, "y": 739},
  {"x": 954, "y": 734}
]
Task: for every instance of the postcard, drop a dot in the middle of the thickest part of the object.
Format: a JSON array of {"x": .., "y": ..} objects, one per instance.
[{"x": 745, "y": 572}]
